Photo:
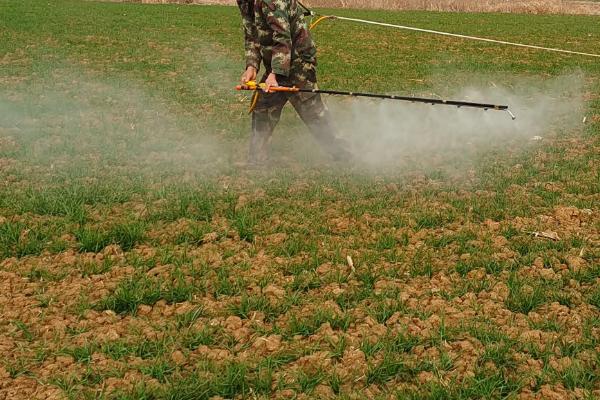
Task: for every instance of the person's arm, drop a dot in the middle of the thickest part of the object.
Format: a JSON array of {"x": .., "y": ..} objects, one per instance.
[
  {"x": 277, "y": 14},
  {"x": 251, "y": 45}
]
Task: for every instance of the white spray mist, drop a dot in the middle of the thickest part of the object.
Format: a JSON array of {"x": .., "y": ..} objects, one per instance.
[{"x": 385, "y": 132}]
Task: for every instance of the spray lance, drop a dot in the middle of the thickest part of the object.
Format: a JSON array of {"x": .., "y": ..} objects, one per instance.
[{"x": 257, "y": 87}]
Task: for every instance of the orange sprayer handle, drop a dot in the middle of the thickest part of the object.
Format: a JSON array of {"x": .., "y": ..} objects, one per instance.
[{"x": 254, "y": 86}]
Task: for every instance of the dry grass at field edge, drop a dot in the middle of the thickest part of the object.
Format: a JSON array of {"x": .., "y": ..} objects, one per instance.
[{"x": 501, "y": 6}]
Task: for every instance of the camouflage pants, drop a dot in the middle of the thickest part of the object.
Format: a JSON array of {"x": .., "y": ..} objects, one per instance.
[{"x": 311, "y": 110}]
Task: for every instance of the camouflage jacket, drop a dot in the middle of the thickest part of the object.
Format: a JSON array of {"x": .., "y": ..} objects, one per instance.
[{"x": 277, "y": 34}]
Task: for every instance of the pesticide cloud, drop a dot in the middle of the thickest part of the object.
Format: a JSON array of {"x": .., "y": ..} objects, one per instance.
[
  {"x": 78, "y": 122},
  {"x": 85, "y": 123},
  {"x": 386, "y": 133},
  {"x": 99, "y": 123}
]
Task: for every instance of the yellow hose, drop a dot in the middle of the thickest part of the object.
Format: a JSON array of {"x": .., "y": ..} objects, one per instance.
[
  {"x": 254, "y": 101},
  {"x": 319, "y": 20}
]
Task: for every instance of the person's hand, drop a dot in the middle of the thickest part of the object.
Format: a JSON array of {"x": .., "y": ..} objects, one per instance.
[
  {"x": 271, "y": 82},
  {"x": 248, "y": 75}
]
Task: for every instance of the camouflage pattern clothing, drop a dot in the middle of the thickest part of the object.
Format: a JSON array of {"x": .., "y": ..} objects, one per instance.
[
  {"x": 253, "y": 53},
  {"x": 277, "y": 35}
]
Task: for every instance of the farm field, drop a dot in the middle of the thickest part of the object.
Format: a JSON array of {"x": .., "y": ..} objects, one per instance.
[{"x": 457, "y": 257}]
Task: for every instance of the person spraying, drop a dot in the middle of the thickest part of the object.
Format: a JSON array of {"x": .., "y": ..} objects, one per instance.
[{"x": 277, "y": 36}]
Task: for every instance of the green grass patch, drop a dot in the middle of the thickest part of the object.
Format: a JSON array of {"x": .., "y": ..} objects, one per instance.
[
  {"x": 141, "y": 289},
  {"x": 127, "y": 235}
]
